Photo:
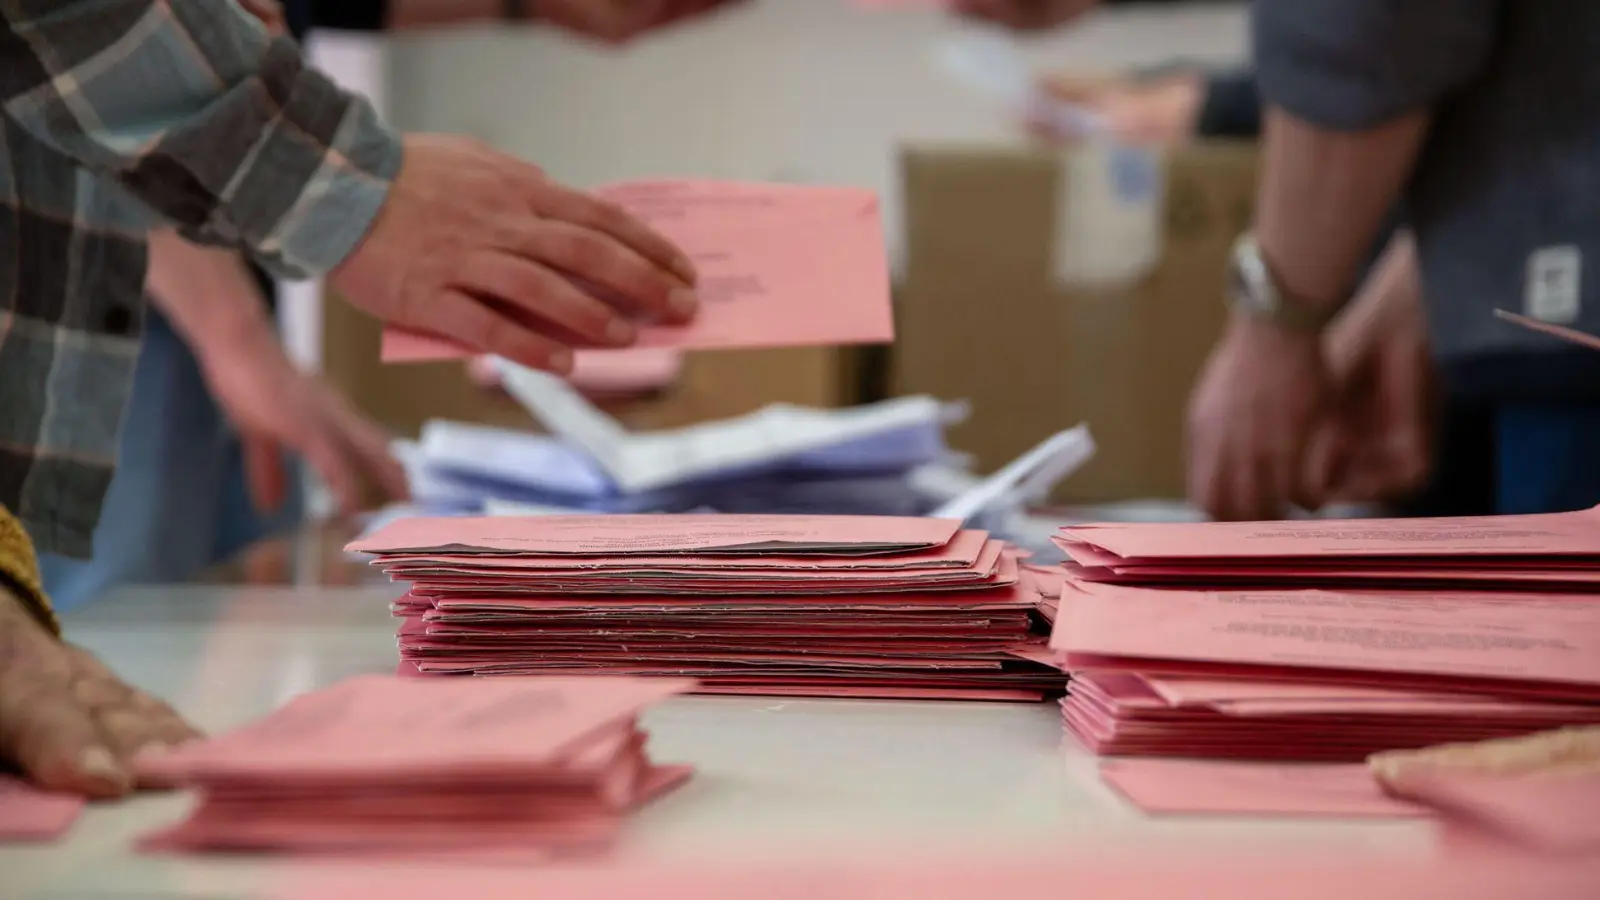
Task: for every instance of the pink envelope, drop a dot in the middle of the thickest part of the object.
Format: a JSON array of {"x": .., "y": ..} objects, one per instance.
[
  {"x": 30, "y": 814},
  {"x": 376, "y": 727},
  {"x": 653, "y": 535},
  {"x": 1534, "y": 639},
  {"x": 968, "y": 549},
  {"x": 1538, "y": 536},
  {"x": 1215, "y": 788},
  {"x": 780, "y": 266},
  {"x": 1241, "y": 871}
]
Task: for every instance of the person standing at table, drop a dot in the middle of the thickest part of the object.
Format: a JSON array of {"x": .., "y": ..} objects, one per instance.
[
  {"x": 1483, "y": 118},
  {"x": 218, "y": 410},
  {"x": 119, "y": 115}
]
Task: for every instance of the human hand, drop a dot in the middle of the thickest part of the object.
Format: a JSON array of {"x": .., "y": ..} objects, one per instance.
[
  {"x": 485, "y": 250},
  {"x": 1261, "y": 395},
  {"x": 66, "y": 721},
  {"x": 270, "y": 12},
  {"x": 1024, "y": 15},
  {"x": 1377, "y": 443},
  {"x": 1163, "y": 110},
  {"x": 277, "y": 408},
  {"x": 617, "y": 21}
]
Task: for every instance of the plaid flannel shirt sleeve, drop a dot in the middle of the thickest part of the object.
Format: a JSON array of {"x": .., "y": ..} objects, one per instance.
[{"x": 195, "y": 110}]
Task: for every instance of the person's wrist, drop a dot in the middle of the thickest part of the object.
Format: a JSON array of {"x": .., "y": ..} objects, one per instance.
[
  {"x": 20, "y": 609},
  {"x": 1261, "y": 289}
]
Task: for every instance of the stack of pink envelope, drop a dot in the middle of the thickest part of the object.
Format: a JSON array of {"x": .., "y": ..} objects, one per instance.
[
  {"x": 841, "y": 606},
  {"x": 1544, "y": 552},
  {"x": 1295, "y": 641},
  {"x": 384, "y": 765}
]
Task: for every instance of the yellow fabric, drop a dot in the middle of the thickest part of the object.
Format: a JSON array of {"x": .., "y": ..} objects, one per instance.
[{"x": 19, "y": 569}]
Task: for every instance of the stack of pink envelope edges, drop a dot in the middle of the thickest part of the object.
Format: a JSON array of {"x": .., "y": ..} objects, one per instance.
[
  {"x": 836, "y": 606},
  {"x": 1326, "y": 640},
  {"x": 384, "y": 765}
]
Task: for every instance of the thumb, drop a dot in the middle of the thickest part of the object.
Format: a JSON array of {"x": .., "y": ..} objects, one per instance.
[{"x": 265, "y": 472}]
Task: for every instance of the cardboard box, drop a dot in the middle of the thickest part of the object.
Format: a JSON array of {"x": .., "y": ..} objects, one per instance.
[
  {"x": 984, "y": 312},
  {"x": 714, "y": 385}
]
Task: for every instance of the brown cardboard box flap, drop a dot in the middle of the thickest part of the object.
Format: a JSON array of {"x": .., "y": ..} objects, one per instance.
[{"x": 982, "y": 315}]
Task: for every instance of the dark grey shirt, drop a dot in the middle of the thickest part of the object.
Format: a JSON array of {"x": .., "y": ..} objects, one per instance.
[{"x": 1505, "y": 200}]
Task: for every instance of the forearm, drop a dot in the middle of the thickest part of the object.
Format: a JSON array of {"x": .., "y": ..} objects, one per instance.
[
  {"x": 1391, "y": 297},
  {"x": 19, "y": 571},
  {"x": 194, "y": 109},
  {"x": 1349, "y": 86},
  {"x": 1325, "y": 195},
  {"x": 208, "y": 294}
]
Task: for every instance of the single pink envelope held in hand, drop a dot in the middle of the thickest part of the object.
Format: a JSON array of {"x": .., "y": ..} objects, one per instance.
[
  {"x": 29, "y": 814},
  {"x": 780, "y": 265}
]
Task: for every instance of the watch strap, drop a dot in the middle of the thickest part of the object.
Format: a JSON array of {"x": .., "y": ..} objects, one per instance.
[{"x": 1259, "y": 293}]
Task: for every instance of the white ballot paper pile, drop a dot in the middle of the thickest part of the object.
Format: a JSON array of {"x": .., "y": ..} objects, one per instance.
[{"x": 886, "y": 458}]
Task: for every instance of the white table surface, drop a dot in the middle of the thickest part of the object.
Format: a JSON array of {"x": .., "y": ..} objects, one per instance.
[{"x": 775, "y": 776}]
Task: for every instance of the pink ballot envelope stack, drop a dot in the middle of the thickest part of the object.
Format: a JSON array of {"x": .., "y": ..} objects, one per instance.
[
  {"x": 1326, "y": 641},
  {"x": 836, "y": 606},
  {"x": 383, "y": 765},
  {"x": 781, "y": 265}
]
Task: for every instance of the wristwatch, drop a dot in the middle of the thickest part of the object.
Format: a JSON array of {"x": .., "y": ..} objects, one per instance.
[
  {"x": 514, "y": 10},
  {"x": 1256, "y": 292}
]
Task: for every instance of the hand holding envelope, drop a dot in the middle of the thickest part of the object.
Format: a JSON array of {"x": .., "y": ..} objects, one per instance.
[{"x": 778, "y": 266}]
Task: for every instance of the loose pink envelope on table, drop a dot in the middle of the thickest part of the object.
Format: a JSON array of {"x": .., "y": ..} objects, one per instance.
[
  {"x": 1291, "y": 789},
  {"x": 780, "y": 265},
  {"x": 30, "y": 814},
  {"x": 653, "y": 535},
  {"x": 1517, "y": 637},
  {"x": 1538, "y": 535},
  {"x": 1241, "y": 871},
  {"x": 386, "y": 727}
]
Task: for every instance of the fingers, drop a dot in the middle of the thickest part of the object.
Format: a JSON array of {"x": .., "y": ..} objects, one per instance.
[
  {"x": 369, "y": 444},
  {"x": 484, "y": 327},
  {"x": 551, "y": 299},
  {"x": 599, "y": 215},
  {"x": 265, "y": 473},
  {"x": 54, "y": 740}
]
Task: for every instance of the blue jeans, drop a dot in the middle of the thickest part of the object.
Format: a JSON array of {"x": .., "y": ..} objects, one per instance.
[
  {"x": 1514, "y": 458},
  {"x": 179, "y": 501}
]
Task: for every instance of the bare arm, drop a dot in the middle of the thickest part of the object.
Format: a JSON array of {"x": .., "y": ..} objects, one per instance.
[{"x": 1324, "y": 196}]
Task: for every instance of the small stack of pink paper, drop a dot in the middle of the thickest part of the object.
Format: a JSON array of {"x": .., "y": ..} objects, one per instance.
[
  {"x": 1545, "y": 552},
  {"x": 384, "y": 765},
  {"x": 845, "y": 606},
  {"x": 1207, "y": 640}
]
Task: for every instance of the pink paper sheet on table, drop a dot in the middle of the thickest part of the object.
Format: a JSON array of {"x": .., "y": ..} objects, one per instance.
[
  {"x": 1226, "y": 788},
  {"x": 1529, "y": 536},
  {"x": 649, "y": 535},
  {"x": 377, "y": 726},
  {"x": 29, "y": 814},
  {"x": 780, "y": 265},
  {"x": 1239, "y": 871},
  {"x": 1522, "y": 638},
  {"x": 382, "y": 765}
]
